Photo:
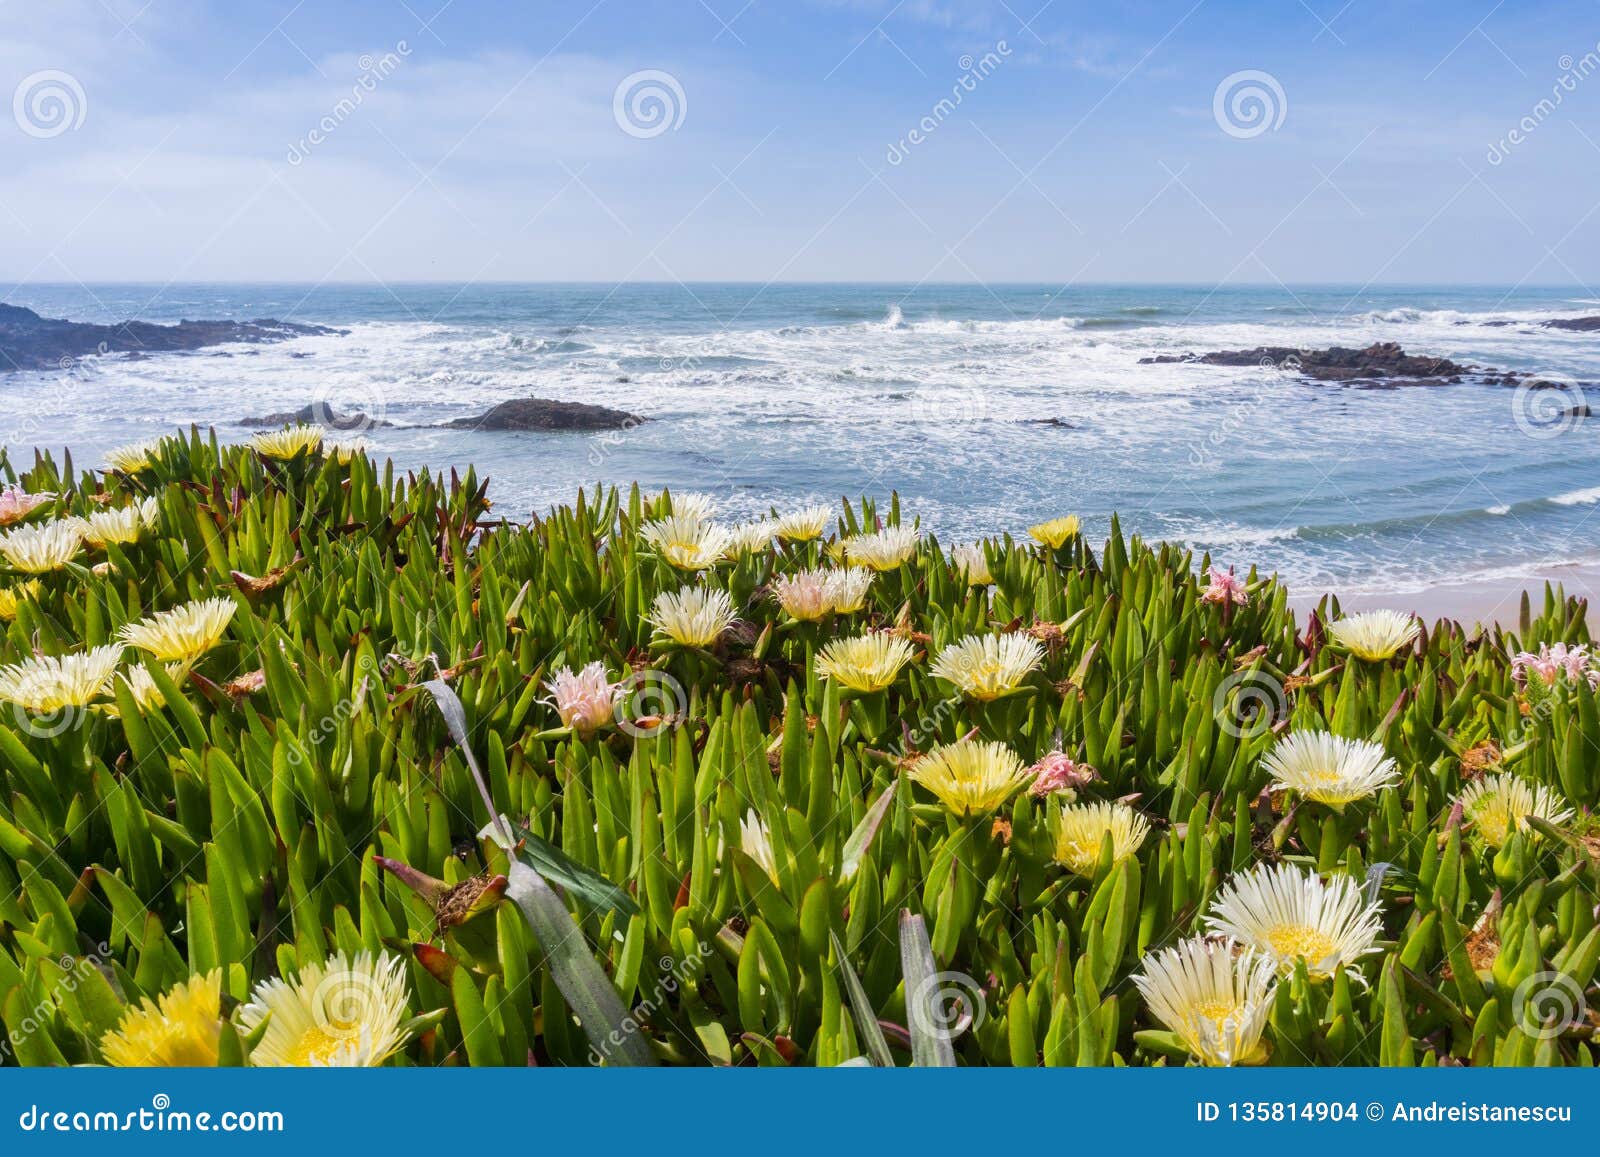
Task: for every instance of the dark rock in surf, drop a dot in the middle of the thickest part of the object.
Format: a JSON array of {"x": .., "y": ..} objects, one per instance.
[
  {"x": 31, "y": 342},
  {"x": 546, "y": 414},
  {"x": 317, "y": 414},
  {"x": 1377, "y": 363}
]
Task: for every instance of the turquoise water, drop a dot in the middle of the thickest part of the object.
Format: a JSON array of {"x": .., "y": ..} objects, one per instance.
[{"x": 987, "y": 408}]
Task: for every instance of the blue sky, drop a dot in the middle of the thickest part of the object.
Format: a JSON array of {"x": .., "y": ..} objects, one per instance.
[{"x": 383, "y": 140}]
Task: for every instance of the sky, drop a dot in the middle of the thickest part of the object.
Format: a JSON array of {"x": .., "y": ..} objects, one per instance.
[{"x": 808, "y": 140}]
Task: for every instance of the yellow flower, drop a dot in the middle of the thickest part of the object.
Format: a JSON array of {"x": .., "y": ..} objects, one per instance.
[
  {"x": 289, "y": 442},
  {"x": 971, "y": 778},
  {"x": 1081, "y": 830},
  {"x": 1375, "y": 635},
  {"x": 46, "y": 684},
  {"x": 691, "y": 616},
  {"x": 12, "y": 597},
  {"x": 865, "y": 663},
  {"x": 184, "y": 633},
  {"x": 1499, "y": 805},
  {"x": 803, "y": 525},
  {"x": 339, "y": 1013},
  {"x": 125, "y": 524},
  {"x": 686, "y": 542},
  {"x": 45, "y": 547},
  {"x": 134, "y": 457},
  {"x": 985, "y": 667},
  {"x": 884, "y": 550},
  {"x": 1290, "y": 915},
  {"x": 1056, "y": 532},
  {"x": 179, "y": 1032},
  {"x": 1213, "y": 998}
]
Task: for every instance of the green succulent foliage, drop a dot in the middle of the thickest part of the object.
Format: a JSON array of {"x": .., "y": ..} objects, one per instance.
[{"x": 299, "y": 791}]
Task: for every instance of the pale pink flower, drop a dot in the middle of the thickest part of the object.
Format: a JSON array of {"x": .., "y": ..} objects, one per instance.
[
  {"x": 805, "y": 596},
  {"x": 1554, "y": 660},
  {"x": 586, "y": 700},
  {"x": 1055, "y": 773},
  {"x": 16, "y": 504},
  {"x": 1226, "y": 587}
]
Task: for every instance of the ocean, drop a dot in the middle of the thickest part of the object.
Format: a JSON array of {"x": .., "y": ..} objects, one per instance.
[{"x": 987, "y": 408}]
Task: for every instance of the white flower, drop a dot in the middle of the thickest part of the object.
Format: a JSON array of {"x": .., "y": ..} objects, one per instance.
[
  {"x": 1292, "y": 915},
  {"x": 986, "y": 667},
  {"x": 686, "y": 542},
  {"x": 756, "y": 843},
  {"x": 803, "y": 525},
  {"x": 884, "y": 550},
  {"x": 122, "y": 525},
  {"x": 1082, "y": 828},
  {"x": 1375, "y": 635},
  {"x": 46, "y": 684},
  {"x": 847, "y": 589},
  {"x": 804, "y": 595},
  {"x": 748, "y": 538},
  {"x": 339, "y": 1013},
  {"x": 1214, "y": 999},
  {"x": 970, "y": 561},
  {"x": 1329, "y": 768},
  {"x": 42, "y": 547},
  {"x": 865, "y": 663},
  {"x": 692, "y": 616},
  {"x": 1498, "y": 805},
  {"x": 585, "y": 700}
]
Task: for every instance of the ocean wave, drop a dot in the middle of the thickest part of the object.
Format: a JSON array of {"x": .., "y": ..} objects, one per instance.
[{"x": 1585, "y": 497}]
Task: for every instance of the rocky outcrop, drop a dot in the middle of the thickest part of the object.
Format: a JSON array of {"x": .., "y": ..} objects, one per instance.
[
  {"x": 317, "y": 414},
  {"x": 1380, "y": 362},
  {"x": 31, "y": 342},
  {"x": 1578, "y": 324},
  {"x": 545, "y": 414}
]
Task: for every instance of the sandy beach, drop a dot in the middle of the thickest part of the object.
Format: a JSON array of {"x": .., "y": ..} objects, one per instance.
[{"x": 1488, "y": 601}]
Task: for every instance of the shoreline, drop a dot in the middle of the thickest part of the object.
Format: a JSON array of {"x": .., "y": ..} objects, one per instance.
[{"x": 1486, "y": 602}]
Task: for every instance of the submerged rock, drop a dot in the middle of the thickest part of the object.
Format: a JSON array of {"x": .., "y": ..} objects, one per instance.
[
  {"x": 31, "y": 342},
  {"x": 317, "y": 414},
  {"x": 1379, "y": 362},
  {"x": 1579, "y": 324},
  {"x": 546, "y": 414}
]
